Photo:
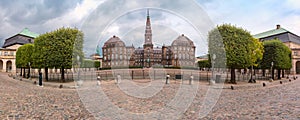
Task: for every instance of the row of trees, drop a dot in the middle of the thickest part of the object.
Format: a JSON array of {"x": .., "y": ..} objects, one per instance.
[
  {"x": 240, "y": 50},
  {"x": 57, "y": 49}
]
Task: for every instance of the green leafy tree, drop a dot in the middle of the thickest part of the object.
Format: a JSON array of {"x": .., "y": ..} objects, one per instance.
[
  {"x": 238, "y": 44},
  {"x": 66, "y": 45},
  {"x": 204, "y": 64},
  {"x": 257, "y": 50},
  {"x": 20, "y": 62},
  {"x": 41, "y": 53},
  {"x": 58, "y": 49},
  {"x": 279, "y": 54},
  {"x": 24, "y": 58}
]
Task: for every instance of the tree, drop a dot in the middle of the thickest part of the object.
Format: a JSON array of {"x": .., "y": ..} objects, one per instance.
[
  {"x": 20, "y": 62},
  {"x": 279, "y": 54},
  {"x": 204, "y": 64},
  {"x": 237, "y": 43},
  {"x": 41, "y": 53},
  {"x": 66, "y": 46},
  {"x": 24, "y": 58},
  {"x": 88, "y": 64},
  {"x": 58, "y": 49},
  {"x": 257, "y": 49}
]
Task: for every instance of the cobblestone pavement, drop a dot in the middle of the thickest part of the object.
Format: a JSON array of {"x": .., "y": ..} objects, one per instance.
[{"x": 22, "y": 100}]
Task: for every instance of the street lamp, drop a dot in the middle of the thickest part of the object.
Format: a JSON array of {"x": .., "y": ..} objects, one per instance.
[
  {"x": 29, "y": 70},
  {"x": 212, "y": 81},
  {"x": 251, "y": 75},
  {"x": 272, "y": 73},
  {"x": 78, "y": 76}
]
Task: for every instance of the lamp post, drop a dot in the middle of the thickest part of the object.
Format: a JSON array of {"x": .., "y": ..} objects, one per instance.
[
  {"x": 78, "y": 76},
  {"x": 29, "y": 70},
  {"x": 251, "y": 75},
  {"x": 212, "y": 81},
  {"x": 272, "y": 73}
]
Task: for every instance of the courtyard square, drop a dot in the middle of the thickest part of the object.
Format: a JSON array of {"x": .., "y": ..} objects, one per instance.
[{"x": 24, "y": 100}]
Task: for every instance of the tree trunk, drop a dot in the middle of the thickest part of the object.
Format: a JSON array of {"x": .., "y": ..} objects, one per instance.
[
  {"x": 272, "y": 74},
  {"x": 63, "y": 74},
  {"x": 232, "y": 80},
  {"x": 283, "y": 74},
  {"x": 21, "y": 72},
  {"x": 46, "y": 73},
  {"x": 28, "y": 74},
  {"x": 24, "y": 74},
  {"x": 278, "y": 74},
  {"x": 264, "y": 73}
]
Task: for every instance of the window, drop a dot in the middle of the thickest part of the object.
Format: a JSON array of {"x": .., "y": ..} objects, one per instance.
[
  {"x": 5, "y": 53},
  {"x": 295, "y": 53}
]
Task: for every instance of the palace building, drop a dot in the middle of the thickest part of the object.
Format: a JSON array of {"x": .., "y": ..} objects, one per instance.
[
  {"x": 10, "y": 47},
  {"x": 181, "y": 53},
  {"x": 289, "y": 39}
]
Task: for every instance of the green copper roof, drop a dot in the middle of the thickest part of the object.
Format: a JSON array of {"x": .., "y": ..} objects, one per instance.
[
  {"x": 28, "y": 33},
  {"x": 270, "y": 33}
]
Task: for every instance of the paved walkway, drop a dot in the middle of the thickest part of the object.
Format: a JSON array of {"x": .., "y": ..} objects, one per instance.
[{"x": 24, "y": 100}]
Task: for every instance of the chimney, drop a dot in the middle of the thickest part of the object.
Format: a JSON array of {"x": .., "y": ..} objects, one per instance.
[{"x": 278, "y": 26}]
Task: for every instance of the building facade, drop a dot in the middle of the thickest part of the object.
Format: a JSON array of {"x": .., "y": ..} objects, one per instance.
[
  {"x": 10, "y": 47},
  {"x": 289, "y": 39},
  {"x": 181, "y": 53}
]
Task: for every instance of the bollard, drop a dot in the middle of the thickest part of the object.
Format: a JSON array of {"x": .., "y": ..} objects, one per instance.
[
  {"x": 40, "y": 79},
  {"x": 167, "y": 79},
  {"x": 98, "y": 80},
  {"x": 264, "y": 84},
  {"x": 232, "y": 88},
  {"x": 280, "y": 82},
  {"x": 118, "y": 79},
  {"x": 191, "y": 80}
]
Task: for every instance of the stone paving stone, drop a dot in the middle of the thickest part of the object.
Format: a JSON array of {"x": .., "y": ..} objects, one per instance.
[{"x": 23, "y": 100}]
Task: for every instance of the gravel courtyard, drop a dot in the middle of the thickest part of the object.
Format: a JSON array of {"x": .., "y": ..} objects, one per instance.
[{"x": 23, "y": 100}]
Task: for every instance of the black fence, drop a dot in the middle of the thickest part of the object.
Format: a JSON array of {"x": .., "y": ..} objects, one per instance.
[{"x": 156, "y": 74}]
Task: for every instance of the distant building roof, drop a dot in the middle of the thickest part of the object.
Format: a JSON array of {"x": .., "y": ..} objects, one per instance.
[
  {"x": 28, "y": 33},
  {"x": 114, "y": 42},
  {"x": 182, "y": 41},
  {"x": 279, "y": 33},
  {"x": 270, "y": 33},
  {"x": 24, "y": 37}
]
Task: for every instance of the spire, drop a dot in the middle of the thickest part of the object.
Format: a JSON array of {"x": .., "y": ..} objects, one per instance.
[
  {"x": 148, "y": 16},
  {"x": 148, "y": 31}
]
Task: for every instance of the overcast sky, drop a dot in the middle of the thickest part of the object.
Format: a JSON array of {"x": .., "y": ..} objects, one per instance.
[{"x": 96, "y": 18}]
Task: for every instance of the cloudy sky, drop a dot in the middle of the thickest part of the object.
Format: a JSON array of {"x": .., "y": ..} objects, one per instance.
[{"x": 101, "y": 19}]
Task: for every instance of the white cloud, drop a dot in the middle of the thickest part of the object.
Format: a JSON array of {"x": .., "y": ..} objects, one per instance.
[
  {"x": 293, "y": 4},
  {"x": 75, "y": 16}
]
